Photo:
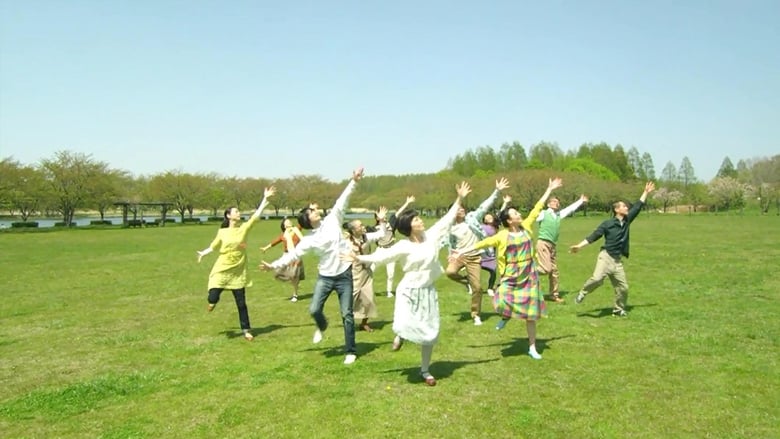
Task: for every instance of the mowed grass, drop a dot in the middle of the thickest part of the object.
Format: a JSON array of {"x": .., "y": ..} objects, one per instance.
[{"x": 105, "y": 334}]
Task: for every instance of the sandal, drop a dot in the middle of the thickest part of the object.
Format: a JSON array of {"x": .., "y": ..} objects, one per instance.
[{"x": 429, "y": 379}]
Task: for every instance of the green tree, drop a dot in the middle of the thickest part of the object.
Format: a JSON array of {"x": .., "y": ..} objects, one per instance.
[
  {"x": 546, "y": 153},
  {"x": 685, "y": 173},
  {"x": 70, "y": 177},
  {"x": 648, "y": 167},
  {"x": 512, "y": 157},
  {"x": 727, "y": 169},
  {"x": 669, "y": 174},
  {"x": 635, "y": 162}
]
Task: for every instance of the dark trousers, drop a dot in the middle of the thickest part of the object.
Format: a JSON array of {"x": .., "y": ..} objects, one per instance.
[{"x": 240, "y": 296}]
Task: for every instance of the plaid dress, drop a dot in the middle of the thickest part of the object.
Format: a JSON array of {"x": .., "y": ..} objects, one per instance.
[{"x": 519, "y": 294}]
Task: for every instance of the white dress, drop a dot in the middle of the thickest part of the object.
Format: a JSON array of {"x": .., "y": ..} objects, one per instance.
[{"x": 416, "y": 316}]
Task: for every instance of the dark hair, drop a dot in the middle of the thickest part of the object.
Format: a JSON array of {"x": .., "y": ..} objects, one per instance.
[
  {"x": 403, "y": 222},
  {"x": 495, "y": 222},
  {"x": 303, "y": 218},
  {"x": 615, "y": 205},
  {"x": 503, "y": 216},
  {"x": 281, "y": 226},
  {"x": 225, "y": 220}
]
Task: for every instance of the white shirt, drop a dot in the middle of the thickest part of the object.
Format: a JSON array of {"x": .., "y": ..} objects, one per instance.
[
  {"x": 420, "y": 260},
  {"x": 326, "y": 241}
]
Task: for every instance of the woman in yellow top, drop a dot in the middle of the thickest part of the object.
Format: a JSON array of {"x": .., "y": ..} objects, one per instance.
[
  {"x": 229, "y": 271},
  {"x": 519, "y": 292}
]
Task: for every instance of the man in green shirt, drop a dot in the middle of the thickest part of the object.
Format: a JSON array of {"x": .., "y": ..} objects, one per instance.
[
  {"x": 609, "y": 263},
  {"x": 549, "y": 227}
]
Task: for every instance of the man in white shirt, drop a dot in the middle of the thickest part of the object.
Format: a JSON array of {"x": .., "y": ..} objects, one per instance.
[{"x": 327, "y": 241}]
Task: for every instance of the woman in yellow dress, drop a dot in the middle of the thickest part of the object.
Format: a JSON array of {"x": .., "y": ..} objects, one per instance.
[{"x": 229, "y": 270}]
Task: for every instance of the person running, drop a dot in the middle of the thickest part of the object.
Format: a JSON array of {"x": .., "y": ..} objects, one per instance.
[
  {"x": 416, "y": 315},
  {"x": 294, "y": 271},
  {"x": 467, "y": 230},
  {"x": 363, "y": 305},
  {"x": 549, "y": 228},
  {"x": 229, "y": 270},
  {"x": 327, "y": 241},
  {"x": 519, "y": 292},
  {"x": 609, "y": 262}
]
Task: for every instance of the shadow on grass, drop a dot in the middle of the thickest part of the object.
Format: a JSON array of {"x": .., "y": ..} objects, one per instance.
[
  {"x": 362, "y": 348},
  {"x": 598, "y": 313},
  {"x": 520, "y": 345},
  {"x": 439, "y": 369},
  {"x": 232, "y": 333}
]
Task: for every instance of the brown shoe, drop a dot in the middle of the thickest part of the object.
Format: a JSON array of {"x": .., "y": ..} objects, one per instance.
[
  {"x": 364, "y": 326},
  {"x": 248, "y": 336},
  {"x": 211, "y": 307},
  {"x": 429, "y": 379},
  {"x": 558, "y": 299}
]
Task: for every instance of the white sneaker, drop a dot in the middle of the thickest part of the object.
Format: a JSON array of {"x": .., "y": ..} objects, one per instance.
[
  {"x": 535, "y": 355},
  {"x": 389, "y": 294},
  {"x": 350, "y": 358},
  {"x": 490, "y": 292},
  {"x": 294, "y": 299},
  {"x": 477, "y": 321},
  {"x": 317, "y": 336}
]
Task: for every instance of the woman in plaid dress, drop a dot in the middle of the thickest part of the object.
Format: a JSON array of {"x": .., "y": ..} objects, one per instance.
[{"x": 519, "y": 293}]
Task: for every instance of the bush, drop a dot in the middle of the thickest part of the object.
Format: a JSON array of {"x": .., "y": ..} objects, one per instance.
[
  {"x": 100, "y": 223},
  {"x": 215, "y": 218},
  {"x": 64, "y": 224},
  {"x": 191, "y": 221},
  {"x": 23, "y": 224}
]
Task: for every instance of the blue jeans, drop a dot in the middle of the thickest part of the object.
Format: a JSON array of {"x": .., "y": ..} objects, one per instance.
[{"x": 342, "y": 284}]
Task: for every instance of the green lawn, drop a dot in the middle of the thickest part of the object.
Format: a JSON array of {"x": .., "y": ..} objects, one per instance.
[{"x": 105, "y": 334}]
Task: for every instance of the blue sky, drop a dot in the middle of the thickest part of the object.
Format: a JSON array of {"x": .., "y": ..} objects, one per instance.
[{"x": 272, "y": 89}]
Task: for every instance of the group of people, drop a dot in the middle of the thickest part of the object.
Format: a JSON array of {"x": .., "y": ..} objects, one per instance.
[{"x": 501, "y": 244}]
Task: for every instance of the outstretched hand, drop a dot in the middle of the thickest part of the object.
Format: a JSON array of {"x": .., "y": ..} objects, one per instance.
[
  {"x": 502, "y": 184},
  {"x": 381, "y": 214},
  {"x": 463, "y": 189},
  {"x": 410, "y": 199},
  {"x": 357, "y": 174},
  {"x": 200, "y": 256},
  {"x": 554, "y": 183},
  {"x": 574, "y": 249},
  {"x": 265, "y": 266},
  {"x": 649, "y": 187},
  {"x": 348, "y": 257},
  {"x": 269, "y": 191},
  {"x": 584, "y": 198}
]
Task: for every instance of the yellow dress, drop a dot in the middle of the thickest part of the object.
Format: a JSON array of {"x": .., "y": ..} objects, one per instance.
[{"x": 229, "y": 271}]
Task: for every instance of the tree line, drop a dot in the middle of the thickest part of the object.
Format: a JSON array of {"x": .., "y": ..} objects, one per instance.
[
  {"x": 732, "y": 187},
  {"x": 71, "y": 181}
]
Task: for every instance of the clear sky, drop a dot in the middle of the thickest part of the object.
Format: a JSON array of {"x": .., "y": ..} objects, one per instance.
[{"x": 276, "y": 88}]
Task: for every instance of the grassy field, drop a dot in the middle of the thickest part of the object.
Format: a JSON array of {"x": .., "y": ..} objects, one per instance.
[{"x": 105, "y": 334}]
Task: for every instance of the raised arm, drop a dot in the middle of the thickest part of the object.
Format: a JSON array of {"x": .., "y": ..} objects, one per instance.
[
  {"x": 341, "y": 203},
  {"x": 553, "y": 183},
  {"x": 637, "y": 207},
  {"x": 480, "y": 211},
  {"x": 267, "y": 193},
  {"x": 571, "y": 208},
  {"x": 441, "y": 226},
  {"x": 382, "y": 229}
]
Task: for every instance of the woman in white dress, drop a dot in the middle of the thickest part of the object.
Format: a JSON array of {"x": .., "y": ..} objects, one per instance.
[{"x": 416, "y": 316}]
